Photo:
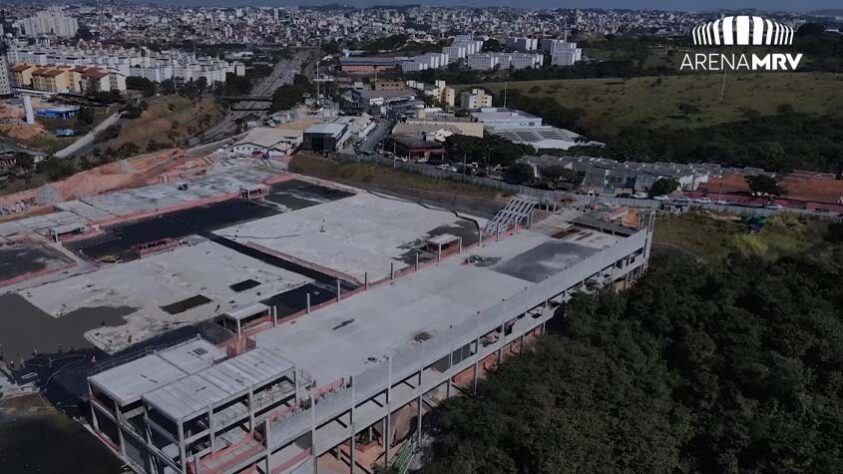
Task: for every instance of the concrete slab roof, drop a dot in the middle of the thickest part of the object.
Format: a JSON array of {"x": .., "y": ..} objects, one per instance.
[
  {"x": 195, "y": 394},
  {"x": 147, "y": 198},
  {"x": 347, "y": 338},
  {"x": 268, "y": 137},
  {"x": 128, "y": 382},
  {"x": 207, "y": 269},
  {"x": 247, "y": 311},
  {"x": 360, "y": 234}
]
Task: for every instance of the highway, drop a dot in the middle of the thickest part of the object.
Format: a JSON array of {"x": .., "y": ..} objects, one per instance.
[{"x": 282, "y": 73}]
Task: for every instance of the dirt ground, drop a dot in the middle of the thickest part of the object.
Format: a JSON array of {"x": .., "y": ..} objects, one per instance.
[{"x": 140, "y": 170}]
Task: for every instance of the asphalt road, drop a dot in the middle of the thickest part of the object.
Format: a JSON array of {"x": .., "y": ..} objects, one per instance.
[
  {"x": 85, "y": 143},
  {"x": 371, "y": 143},
  {"x": 282, "y": 73}
]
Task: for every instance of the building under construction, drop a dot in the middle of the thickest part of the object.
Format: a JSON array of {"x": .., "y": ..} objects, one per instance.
[{"x": 425, "y": 302}]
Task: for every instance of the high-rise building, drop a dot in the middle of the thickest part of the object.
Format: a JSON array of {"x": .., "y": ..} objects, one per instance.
[
  {"x": 51, "y": 22},
  {"x": 5, "y": 84}
]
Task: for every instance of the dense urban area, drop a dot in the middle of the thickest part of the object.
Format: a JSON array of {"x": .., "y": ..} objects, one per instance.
[{"x": 425, "y": 239}]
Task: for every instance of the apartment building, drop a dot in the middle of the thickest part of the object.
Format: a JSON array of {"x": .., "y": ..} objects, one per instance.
[
  {"x": 148, "y": 64},
  {"x": 5, "y": 82},
  {"x": 50, "y": 22},
  {"x": 439, "y": 90},
  {"x": 562, "y": 53},
  {"x": 490, "y": 61},
  {"x": 475, "y": 99},
  {"x": 22, "y": 75},
  {"x": 523, "y": 43},
  {"x": 66, "y": 79},
  {"x": 52, "y": 80}
]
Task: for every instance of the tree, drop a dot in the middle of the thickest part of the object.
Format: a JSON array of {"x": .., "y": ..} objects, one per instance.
[
  {"x": 764, "y": 185},
  {"x": 493, "y": 45},
  {"x": 561, "y": 173},
  {"x": 811, "y": 29},
  {"x": 111, "y": 132},
  {"x": 520, "y": 173},
  {"x": 491, "y": 149},
  {"x": 728, "y": 365},
  {"x": 84, "y": 33},
  {"x": 331, "y": 47},
  {"x": 663, "y": 186},
  {"x": 87, "y": 115},
  {"x": 24, "y": 161},
  {"x": 142, "y": 84}
]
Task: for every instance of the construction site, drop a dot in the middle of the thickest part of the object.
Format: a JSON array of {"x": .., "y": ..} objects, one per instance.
[{"x": 246, "y": 319}]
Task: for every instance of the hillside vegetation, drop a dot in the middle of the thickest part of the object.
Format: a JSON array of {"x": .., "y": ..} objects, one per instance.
[
  {"x": 166, "y": 122},
  {"x": 692, "y": 100},
  {"x": 778, "y": 122},
  {"x": 731, "y": 364}
]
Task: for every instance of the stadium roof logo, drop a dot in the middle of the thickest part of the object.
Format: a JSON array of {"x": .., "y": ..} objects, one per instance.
[{"x": 742, "y": 31}]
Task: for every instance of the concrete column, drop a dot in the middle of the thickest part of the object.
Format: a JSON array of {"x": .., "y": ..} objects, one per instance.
[
  {"x": 308, "y": 303},
  {"x": 419, "y": 419},
  {"x": 94, "y": 411},
  {"x": 476, "y": 372},
  {"x": 366, "y": 280},
  {"x": 460, "y": 244},
  {"x": 268, "y": 443},
  {"x": 339, "y": 289},
  {"x": 196, "y": 464},
  {"x": 449, "y": 372},
  {"x": 151, "y": 458},
  {"x": 182, "y": 448},
  {"x": 353, "y": 428},
  {"x": 480, "y": 238},
  {"x": 392, "y": 270},
  {"x": 211, "y": 429},
  {"x": 417, "y": 261},
  {"x": 387, "y": 432},
  {"x": 251, "y": 411},
  {"x": 120, "y": 435},
  {"x": 313, "y": 433},
  {"x": 275, "y": 315},
  {"x": 298, "y": 386},
  {"x": 238, "y": 329}
]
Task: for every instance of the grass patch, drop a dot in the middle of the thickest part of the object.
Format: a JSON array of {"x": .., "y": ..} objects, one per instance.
[
  {"x": 362, "y": 174},
  {"x": 713, "y": 238},
  {"x": 654, "y": 102}
]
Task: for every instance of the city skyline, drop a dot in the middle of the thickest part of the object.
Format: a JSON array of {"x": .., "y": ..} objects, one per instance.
[{"x": 678, "y": 5}]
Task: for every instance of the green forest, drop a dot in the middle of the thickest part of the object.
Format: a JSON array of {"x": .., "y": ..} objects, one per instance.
[{"x": 723, "y": 358}]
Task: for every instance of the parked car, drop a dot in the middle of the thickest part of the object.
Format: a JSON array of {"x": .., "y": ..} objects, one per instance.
[
  {"x": 721, "y": 202},
  {"x": 663, "y": 197},
  {"x": 774, "y": 207},
  {"x": 702, "y": 201}
]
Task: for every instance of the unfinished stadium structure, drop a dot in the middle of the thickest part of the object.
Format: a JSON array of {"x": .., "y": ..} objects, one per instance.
[{"x": 426, "y": 302}]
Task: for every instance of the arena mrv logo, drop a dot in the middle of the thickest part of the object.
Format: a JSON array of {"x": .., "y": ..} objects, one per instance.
[{"x": 734, "y": 31}]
